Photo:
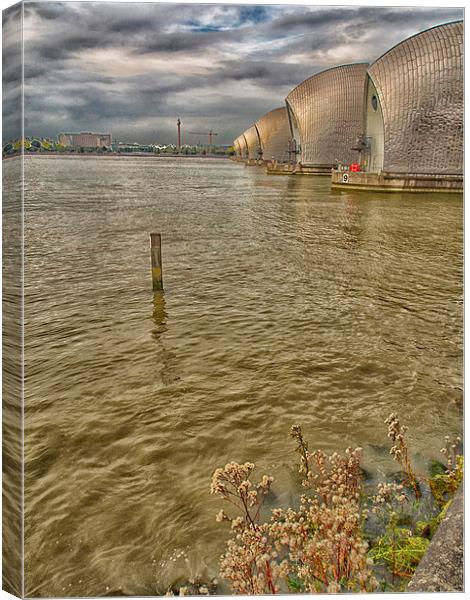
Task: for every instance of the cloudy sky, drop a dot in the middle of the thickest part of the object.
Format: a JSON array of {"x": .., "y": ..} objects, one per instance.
[{"x": 132, "y": 69}]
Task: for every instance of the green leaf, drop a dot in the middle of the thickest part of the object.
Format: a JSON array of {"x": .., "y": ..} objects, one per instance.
[
  {"x": 436, "y": 468},
  {"x": 294, "y": 583}
]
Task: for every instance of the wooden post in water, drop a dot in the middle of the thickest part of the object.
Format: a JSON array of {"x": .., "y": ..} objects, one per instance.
[{"x": 156, "y": 257}]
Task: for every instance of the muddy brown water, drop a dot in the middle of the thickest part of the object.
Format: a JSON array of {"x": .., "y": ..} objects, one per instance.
[{"x": 284, "y": 302}]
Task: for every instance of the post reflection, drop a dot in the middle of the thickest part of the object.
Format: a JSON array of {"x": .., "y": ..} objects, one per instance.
[
  {"x": 159, "y": 314},
  {"x": 166, "y": 359}
]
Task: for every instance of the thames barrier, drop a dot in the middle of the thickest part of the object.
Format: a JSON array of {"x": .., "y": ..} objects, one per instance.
[{"x": 393, "y": 125}]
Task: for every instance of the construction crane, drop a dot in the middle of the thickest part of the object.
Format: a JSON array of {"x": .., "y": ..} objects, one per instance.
[{"x": 210, "y": 134}]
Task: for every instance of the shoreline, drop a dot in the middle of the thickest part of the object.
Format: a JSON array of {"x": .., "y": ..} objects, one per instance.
[{"x": 112, "y": 155}]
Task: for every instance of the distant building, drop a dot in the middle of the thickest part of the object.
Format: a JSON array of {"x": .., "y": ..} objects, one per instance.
[
  {"x": 133, "y": 147},
  {"x": 85, "y": 140}
]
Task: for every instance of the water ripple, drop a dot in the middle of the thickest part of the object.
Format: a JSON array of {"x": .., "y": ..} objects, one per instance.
[{"x": 284, "y": 302}]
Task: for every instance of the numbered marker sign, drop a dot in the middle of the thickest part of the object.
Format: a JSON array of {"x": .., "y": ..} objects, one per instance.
[{"x": 345, "y": 177}]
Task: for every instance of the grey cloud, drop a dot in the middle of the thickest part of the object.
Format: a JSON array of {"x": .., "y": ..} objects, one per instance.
[
  {"x": 249, "y": 69},
  {"x": 364, "y": 16},
  {"x": 130, "y": 25},
  {"x": 266, "y": 74},
  {"x": 48, "y": 10},
  {"x": 183, "y": 42},
  {"x": 11, "y": 75}
]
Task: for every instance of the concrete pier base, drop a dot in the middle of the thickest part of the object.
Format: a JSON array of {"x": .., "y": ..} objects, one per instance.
[
  {"x": 275, "y": 168},
  {"x": 396, "y": 182},
  {"x": 313, "y": 170}
]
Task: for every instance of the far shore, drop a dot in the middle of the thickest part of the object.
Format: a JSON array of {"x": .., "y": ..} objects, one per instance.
[{"x": 115, "y": 155}]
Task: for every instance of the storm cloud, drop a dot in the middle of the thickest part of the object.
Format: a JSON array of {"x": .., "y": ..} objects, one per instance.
[{"x": 133, "y": 69}]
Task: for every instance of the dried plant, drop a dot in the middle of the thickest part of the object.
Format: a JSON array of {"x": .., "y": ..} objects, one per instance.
[
  {"x": 444, "y": 485},
  {"x": 250, "y": 562},
  {"x": 234, "y": 485},
  {"x": 326, "y": 549},
  {"x": 302, "y": 449},
  {"x": 454, "y": 460},
  {"x": 321, "y": 546},
  {"x": 455, "y": 475},
  {"x": 399, "y": 451},
  {"x": 324, "y": 536},
  {"x": 389, "y": 497},
  {"x": 386, "y": 505},
  {"x": 337, "y": 476},
  {"x": 450, "y": 452},
  {"x": 329, "y": 476}
]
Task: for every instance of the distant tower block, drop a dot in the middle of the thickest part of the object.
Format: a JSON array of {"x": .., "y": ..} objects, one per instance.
[{"x": 178, "y": 124}]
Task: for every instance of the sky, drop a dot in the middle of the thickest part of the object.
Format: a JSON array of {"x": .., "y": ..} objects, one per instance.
[{"x": 132, "y": 69}]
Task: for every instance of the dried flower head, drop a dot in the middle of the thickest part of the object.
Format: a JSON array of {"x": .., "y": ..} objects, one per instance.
[
  {"x": 399, "y": 451},
  {"x": 233, "y": 483},
  {"x": 450, "y": 452}
]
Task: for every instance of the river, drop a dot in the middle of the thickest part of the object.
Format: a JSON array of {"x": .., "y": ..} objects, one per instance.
[{"x": 284, "y": 302}]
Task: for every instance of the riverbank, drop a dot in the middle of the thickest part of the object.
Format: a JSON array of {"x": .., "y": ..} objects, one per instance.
[
  {"x": 441, "y": 569},
  {"x": 111, "y": 155},
  {"x": 381, "y": 528}
]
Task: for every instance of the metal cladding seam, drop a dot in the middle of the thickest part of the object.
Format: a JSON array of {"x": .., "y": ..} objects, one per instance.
[
  {"x": 274, "y": 134},
  {"x": 237, "y": 148},
  {"x": 327, "y": 110},
  {"x": 253, "y": 144},
  {"x": 420, "y": 87}
]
